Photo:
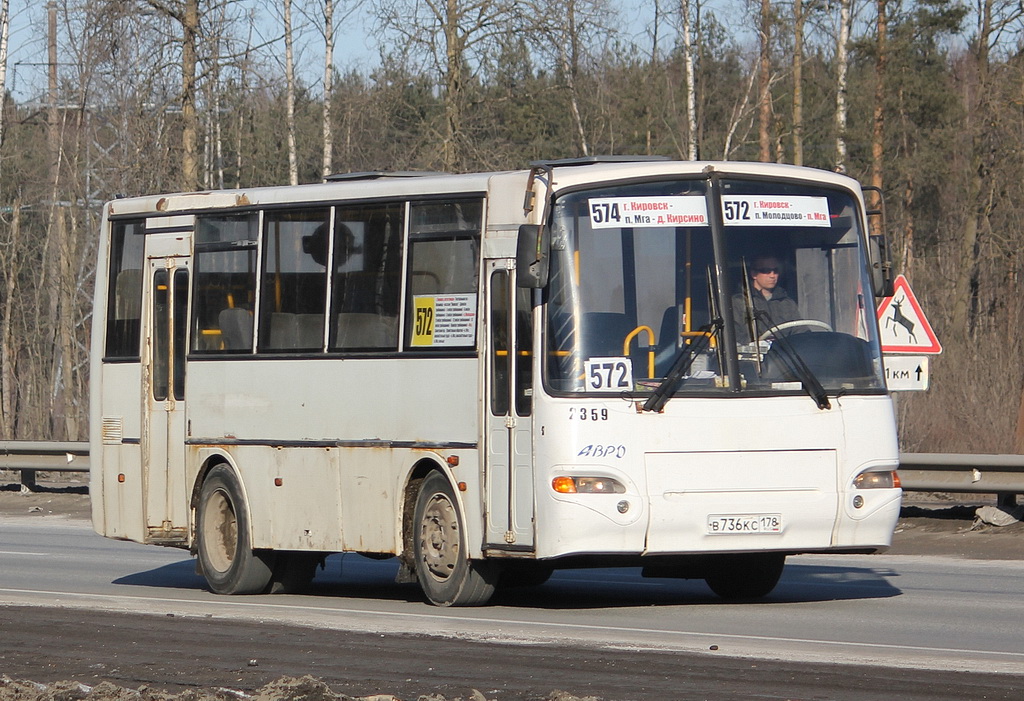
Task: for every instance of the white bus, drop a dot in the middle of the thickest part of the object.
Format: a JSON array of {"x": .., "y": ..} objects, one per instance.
[{"x": 595, "y": 362}]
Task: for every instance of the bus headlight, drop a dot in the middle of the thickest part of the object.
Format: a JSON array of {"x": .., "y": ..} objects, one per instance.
[
  {"x": 565, "y": 484},
  {"x": 877, "y": 480}
]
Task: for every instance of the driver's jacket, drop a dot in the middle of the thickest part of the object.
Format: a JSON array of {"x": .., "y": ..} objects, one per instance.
[{"x": 779, "y": 308}]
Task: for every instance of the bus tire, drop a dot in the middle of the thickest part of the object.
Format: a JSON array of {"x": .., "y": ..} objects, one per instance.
[
  {"x": 747, "y": 576},
  {"x": 226, "y": 557},
  {"x": 446, "y": 574}
]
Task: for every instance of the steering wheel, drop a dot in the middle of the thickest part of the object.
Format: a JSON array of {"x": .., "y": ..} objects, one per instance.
[{"x": 795, "y": 323}]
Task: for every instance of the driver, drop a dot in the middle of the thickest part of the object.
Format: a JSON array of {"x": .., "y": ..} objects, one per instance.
[{"x": 768, "y": 298}]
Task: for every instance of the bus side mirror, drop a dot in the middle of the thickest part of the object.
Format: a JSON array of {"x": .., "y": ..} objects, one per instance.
[
  {"x": 533, "y": 255},
  {"x": 881, "y": 266}
]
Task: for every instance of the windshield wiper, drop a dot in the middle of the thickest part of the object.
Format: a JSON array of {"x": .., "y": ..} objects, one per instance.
[
  {"x": 684, "y": 360},
  {"x": 797, "y": 366}
]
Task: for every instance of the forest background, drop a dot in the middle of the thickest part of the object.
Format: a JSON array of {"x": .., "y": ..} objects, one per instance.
[{"x": 924, "y": 99}]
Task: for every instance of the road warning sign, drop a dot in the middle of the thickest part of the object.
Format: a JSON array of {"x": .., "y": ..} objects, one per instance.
[{"x": 903, "y": 326}]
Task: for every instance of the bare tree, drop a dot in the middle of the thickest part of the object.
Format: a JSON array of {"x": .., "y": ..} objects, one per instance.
[
  {"x": 994, "y": 17},
  {"x": 842, "y": 68},
  {"x": 563, "y": 30},
  {"x": 739, "y": 114},
  {"x": 5, "y": 31},
  {"x": 327, "y": 23},
  {"x": 289, "y": 68},
  {"x": 10, "y": 249},
  {"x": 798, "y": 82},
  {"x": 453, "y": 35},
  {"x": 328, "y": 85},
  {"x": 691, "y": 86},
  {"x": 878, "y": 119},
  {"x": 764, "y": 99},
  {"x": 186, "y": 14}
]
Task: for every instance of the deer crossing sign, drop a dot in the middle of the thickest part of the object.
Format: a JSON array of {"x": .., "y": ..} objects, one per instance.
[{"x": 903, "y": 326}]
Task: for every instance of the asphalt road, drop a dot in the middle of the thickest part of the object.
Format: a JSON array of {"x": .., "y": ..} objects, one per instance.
[{"x": 76, "y": 606}]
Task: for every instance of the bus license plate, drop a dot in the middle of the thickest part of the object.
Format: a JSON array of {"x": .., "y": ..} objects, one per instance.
[{"x": 739, "y": 524}]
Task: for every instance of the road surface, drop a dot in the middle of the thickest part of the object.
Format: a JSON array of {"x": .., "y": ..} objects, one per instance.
[{"x": 75, "y": 605}]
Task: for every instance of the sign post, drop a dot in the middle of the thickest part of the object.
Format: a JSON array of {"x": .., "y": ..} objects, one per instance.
[{"x": 904, "y": 329}]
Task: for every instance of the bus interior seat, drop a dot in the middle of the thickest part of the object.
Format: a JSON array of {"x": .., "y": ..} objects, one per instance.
[
  {"x": 283, "y": 330},
  {"x": 425, "y": 282},
  {"x": 296, "y": 331},
  {"x": 128, "y": 295},
  {"x": 235, "y": 328},
  {"x": 366, "y": 330},
  {"x": 309, "y": 330}
]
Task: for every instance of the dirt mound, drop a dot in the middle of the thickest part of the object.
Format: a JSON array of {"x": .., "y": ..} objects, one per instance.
[{"x": 305, "y": 688}]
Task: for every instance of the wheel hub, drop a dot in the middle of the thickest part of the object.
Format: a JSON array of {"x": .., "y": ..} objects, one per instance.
[{"x": 440, "y": 538}]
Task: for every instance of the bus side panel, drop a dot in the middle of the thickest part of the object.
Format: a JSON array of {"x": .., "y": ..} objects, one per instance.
[
  {"x": 117, "y": 503},
  {"x": 342, "y": 434},
  {"x": 292, "y": 496},
  {"x": 371, "y": 402}
]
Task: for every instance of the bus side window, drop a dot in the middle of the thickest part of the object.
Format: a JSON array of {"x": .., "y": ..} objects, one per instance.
[
  {"x": 367, "y": 272},
  {"x": 293, "y": 297},
  {"x": 224, "y": 284},
  {"x": 444, "y": 265},
  {"x": 124, "y": 298}
]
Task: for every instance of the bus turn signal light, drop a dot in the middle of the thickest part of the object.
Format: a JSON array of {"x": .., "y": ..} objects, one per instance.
[
  {"x": 565, "y": 484},
  {"x": 877, "y": 480}
]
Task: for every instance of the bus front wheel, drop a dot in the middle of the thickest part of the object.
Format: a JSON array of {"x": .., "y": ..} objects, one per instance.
[
  {"x": 226, "y": 557},
  {"x": 748, "y": 576},
  {"x": 445, "y": 573}
]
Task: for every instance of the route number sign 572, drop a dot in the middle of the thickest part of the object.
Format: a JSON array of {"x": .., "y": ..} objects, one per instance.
[
  {"x": 608, "y": 374},
  {"x": 736, "y": 211}
]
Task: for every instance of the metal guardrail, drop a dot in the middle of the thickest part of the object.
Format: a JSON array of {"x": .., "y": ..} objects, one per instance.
[
  {"x": 31, "y": 457},
  {"x": 957, "y": 472},
  {"x": 919, "y": 472}
]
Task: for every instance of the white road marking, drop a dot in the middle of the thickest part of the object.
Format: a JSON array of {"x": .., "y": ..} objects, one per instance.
[{"x": 534, "y": 632}]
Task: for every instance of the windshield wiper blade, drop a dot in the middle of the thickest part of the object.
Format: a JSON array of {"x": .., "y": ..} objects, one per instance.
[
  {"x": 797, "y": 366},
  {"x": 684, "y": 360}
]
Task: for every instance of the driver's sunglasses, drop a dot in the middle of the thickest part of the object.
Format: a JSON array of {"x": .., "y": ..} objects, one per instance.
[{"x": 766, "y": 271}]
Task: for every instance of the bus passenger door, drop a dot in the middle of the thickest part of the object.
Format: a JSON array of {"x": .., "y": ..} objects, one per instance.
[
  {"x": 508, "y": 473},
  {"x": 164, "y": 429}
]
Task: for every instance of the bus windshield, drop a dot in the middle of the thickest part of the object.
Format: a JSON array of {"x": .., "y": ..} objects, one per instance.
[{"x": 767, "y": 296}]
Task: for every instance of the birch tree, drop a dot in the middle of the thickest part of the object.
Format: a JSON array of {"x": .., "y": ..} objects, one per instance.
[
  {"x": 691, "y": 86},
  {"x": 842, "y": 68},
  {"x": 5, "y": 30},
  {"x": 328, "y": 86},
  {"x": 565, "y": 33},
  {"x": 289, "y": 77}
]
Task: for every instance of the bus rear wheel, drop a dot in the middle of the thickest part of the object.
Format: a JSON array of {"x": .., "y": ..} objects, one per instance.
[
  {"x": 747, "y": 576},
  {"x": 226, "y": 557},
  {"x": 445, "y": 573}
]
